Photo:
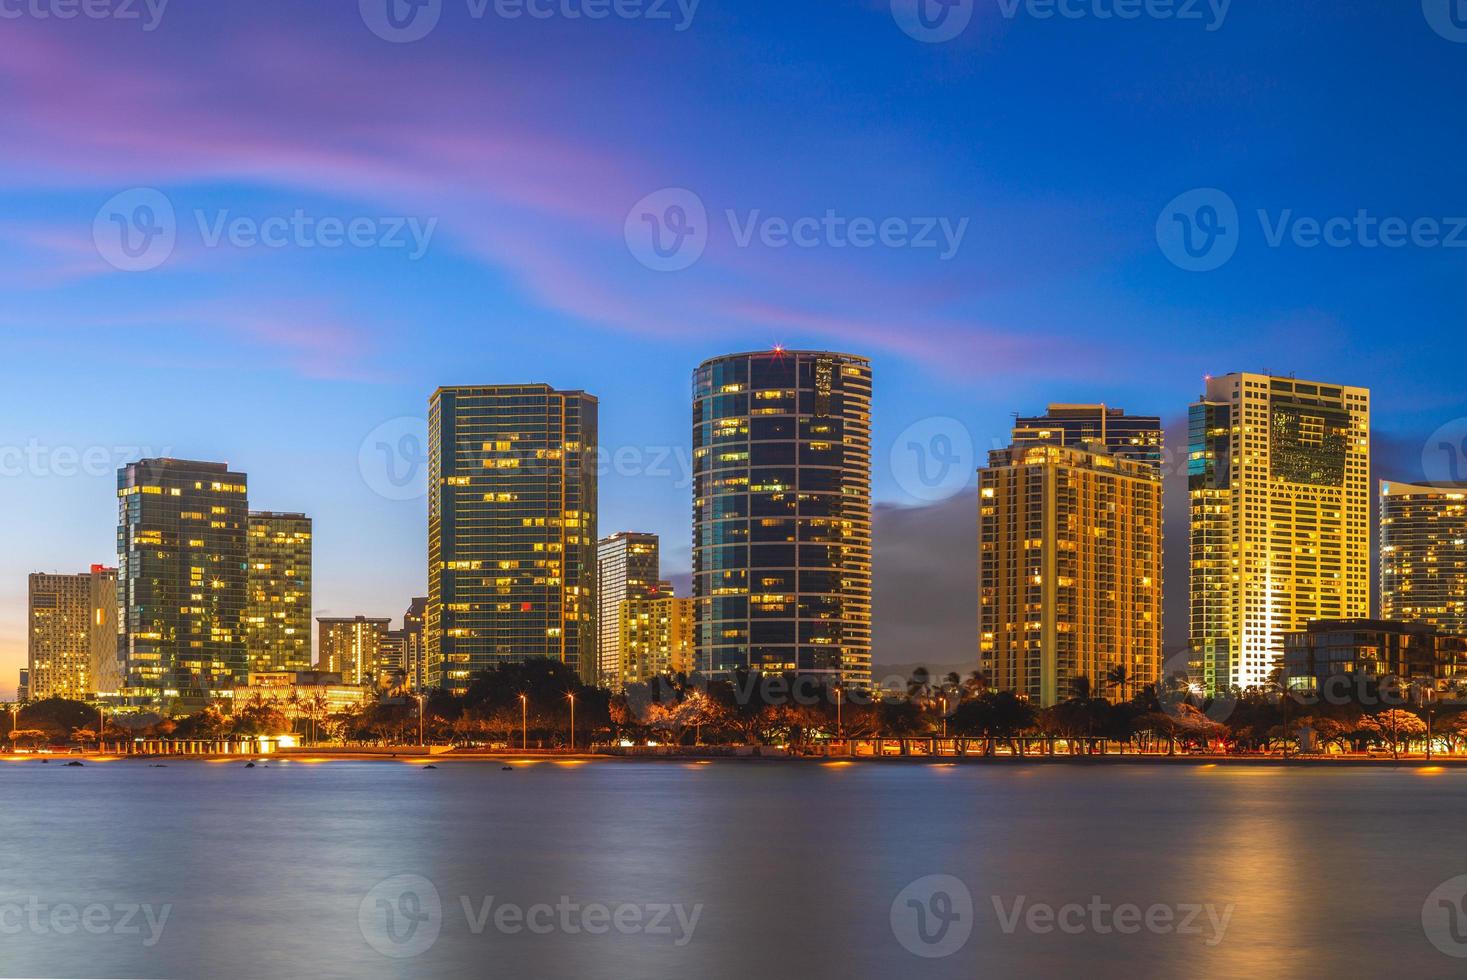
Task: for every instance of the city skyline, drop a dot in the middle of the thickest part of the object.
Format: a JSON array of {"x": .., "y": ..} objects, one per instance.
[
  {"x": 1176, "y": 635},
  {"x": 283, "y": 361}
]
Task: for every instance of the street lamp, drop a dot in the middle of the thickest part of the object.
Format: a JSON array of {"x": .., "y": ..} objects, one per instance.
[
  {"x": 419, "y": 696},
  {"x": 101, "y": 726},
  {"x": 572, "y": 699},
  {"x": 525, "y": 722}
]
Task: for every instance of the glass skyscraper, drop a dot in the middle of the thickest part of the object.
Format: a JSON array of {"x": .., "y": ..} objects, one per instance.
[
  {"x": 182, "y": 546},
  {"x": 782, "y": 513},
  {"x": 511, "y": 530}
]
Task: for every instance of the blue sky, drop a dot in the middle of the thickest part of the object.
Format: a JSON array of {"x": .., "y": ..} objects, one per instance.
[{"x": 528, "y": 143}]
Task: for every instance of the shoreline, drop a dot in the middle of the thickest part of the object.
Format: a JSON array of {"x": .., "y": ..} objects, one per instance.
[{"x": 414, "y": 755}]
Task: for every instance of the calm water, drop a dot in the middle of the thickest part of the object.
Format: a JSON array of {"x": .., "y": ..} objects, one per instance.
[{"x": 792, "y": 870}]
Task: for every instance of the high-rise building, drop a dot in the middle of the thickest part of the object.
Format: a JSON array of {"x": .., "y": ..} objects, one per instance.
[
  {"x": 73, "y": 634},
  {"x": 182, "y": 545},
  {"x": 1069, "y": 572},
  {"x": 782, "y": 513},
  {"x": 656, "y": 638},
  {"x": 511, "y": 530},
  {"x": 278, "y": 614},
  {"x": 392, "y": 658},
  {"x": 23, "y": 688},
  {"x": 352, "y": 647},
  {"x": 1423, "y": 554},
  {"x": 1279, "y": 481},
  {"x": 413, "y": 622},
  {"x": 1137, "y": 437},
  {"x": 628, "y": 566}
]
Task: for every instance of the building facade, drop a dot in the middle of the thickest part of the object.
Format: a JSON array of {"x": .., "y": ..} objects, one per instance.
[
  {"x": 628, "y": 566},
  {"x": 182, "y": 547},
  {"x": 1069, "y": 572},
  {"x": 1135, "y": 437},
  {"x": 72, "y": 635},
  {"x": 1423, "y": 555},
  {"x": 278, "y": 614},
  {"x": 299, "y": 694},
  {"x": 1279, "y": 487},
  {"x": 511, "y": 530},
  {"x": 352, "y": 647},
  {"x": 782, "y": 513},
  {"x": 392, "y": 670},
  {"x": 656, "y": 638},
  {"x": 413, "y": 622},
  {"x": 1332, "y": 656}
]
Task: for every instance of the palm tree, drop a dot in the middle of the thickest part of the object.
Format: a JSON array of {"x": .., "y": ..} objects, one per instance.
[
  {"x": 920, "y": 684},
  {"x": 975, "y": 684},
  {"x": 1118, "y": 677},
  {"x": 293, "y": 701},
  {"x": 1080, "y": 688}
]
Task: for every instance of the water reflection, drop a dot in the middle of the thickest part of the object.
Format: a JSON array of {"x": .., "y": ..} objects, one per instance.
[{"x": 793, "y": 870}]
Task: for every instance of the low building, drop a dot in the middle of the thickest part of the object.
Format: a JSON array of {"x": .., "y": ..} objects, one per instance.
[
  {"x": 1371, "y": 649},
  {"x": 352, "y": 647},
  {"x": 656, "y": 638},
  {"x": 299, "y": 693}
]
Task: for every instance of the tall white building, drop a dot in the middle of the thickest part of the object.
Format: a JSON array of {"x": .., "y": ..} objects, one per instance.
[
  {"x": 1279, "y": 487},
  {"x": 628, "y": 566}
]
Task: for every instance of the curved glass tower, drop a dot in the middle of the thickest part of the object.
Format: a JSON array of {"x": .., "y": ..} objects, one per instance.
[{"x": 782, "y": 513}]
